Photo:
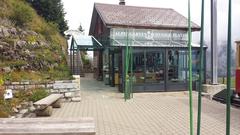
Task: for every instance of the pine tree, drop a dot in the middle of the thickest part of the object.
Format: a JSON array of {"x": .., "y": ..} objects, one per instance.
[
  {"x": 52, "y": 11},
  {"x": 80, "y": 28}
]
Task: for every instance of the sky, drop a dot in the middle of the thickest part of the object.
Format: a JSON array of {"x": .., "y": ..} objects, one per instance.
[{"x": 80, "y": 12}]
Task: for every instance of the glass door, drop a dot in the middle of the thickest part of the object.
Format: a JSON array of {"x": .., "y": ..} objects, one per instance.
[
  {"x": 139, "y": 69},
  {"x": 176, "y": 69},
  {"x": 155, "y": 70}
]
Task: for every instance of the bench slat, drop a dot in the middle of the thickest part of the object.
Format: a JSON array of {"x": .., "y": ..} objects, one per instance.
[
  {"x": 36, "y": 126},
  {"x": 48, "y": 100}
]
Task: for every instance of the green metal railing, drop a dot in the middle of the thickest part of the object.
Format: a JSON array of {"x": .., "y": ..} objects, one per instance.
[{"x": 229, "y": 92}]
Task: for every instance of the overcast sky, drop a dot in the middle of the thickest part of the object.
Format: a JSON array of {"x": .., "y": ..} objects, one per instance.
[{"x": 80, "y": 12}]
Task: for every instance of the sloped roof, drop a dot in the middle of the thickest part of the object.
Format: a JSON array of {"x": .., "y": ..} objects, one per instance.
[{"x": 142, "y": 17}]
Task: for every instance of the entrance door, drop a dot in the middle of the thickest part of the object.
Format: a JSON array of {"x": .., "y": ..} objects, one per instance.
[
  {"x": 149, "y": 70},
  {"x": 176, "y": 65},
  {"x": 155, "y": 70}
]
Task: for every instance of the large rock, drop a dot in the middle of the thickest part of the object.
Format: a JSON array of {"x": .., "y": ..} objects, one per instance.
[
  {"x": 5, "y": 32},
  {"x": 46, "y": 112},
  {"x": 13, "y": 31},
  {"x": 7, "y": 69},
  {"x": 21, "y": 43},
  {"x": 4, "y": 43},
  {"x": 33, "y": 33}
]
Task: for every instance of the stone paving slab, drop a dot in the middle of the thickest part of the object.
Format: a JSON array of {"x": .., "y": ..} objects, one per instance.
[{"x": 146, "y": 114}]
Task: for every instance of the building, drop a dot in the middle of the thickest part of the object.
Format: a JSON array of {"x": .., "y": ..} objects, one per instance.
[{"x": 158, "y": 38}]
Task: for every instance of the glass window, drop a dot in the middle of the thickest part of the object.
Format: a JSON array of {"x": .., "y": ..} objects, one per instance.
[
  {"x": 177, "y": 65},
  {"x": 195, "y": 64}
]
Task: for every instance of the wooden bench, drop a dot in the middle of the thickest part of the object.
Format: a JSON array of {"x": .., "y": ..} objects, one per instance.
[
  {"x": 45, "y": 105},
  {"x": 43, "y": 126}
]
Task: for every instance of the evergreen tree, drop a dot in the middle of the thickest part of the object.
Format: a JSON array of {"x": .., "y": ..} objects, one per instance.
[
  {"x": 80, "y": 28},
  {"x": 52, "y": 11}
]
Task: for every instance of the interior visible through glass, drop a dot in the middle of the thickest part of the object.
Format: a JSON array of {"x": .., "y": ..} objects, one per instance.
[{"x": 155, "y": 67}]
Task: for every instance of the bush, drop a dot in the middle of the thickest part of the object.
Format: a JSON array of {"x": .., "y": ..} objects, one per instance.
[
  {"x": 22, "y": 14},
  {"x": 38, "y": 94}
]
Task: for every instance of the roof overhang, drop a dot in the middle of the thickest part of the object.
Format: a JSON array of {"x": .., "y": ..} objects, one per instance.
[
  {"x": 152, "y": 27},
  {"x": 80, "y": 42}
]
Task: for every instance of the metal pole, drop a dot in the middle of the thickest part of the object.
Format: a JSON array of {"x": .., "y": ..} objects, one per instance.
[
  {"x": 131, "y": 69},
  {"x": 126, "y": 93},
  {"x": 190, "y": 66},
  {"x": 229, "y": 49},
  {"x": 78, "y": 61},
  {"x": 113, "y": 70},
  {"x": 70, "y": 57},
  {"x": 214, "y": 54},
  {"x": 200, "y": 72},
  {"x": 73, "y": 61}
]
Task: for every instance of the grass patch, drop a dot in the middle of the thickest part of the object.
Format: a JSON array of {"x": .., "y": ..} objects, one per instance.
[
  {"x": 13, "y": 64},
  {"x": 38, "y": 94},
  {"x": 22, "y": 14}
]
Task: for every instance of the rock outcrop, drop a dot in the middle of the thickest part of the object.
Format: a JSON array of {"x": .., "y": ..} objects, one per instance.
[{"x": 25, "y": 50}]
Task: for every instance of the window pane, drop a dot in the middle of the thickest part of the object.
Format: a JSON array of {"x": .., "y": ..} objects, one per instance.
[{"x": 177, "y": 65}]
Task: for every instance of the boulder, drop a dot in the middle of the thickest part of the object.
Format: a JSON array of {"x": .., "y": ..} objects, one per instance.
[
  {"x": 21, "y": 43},
  {"x": 5, "y": 32},
  {"x": 13, "y": 31},
  {"x": 33, "y": 33},
  {"x": 7, "y": 69},
  {"x": 4, "y": 43}
]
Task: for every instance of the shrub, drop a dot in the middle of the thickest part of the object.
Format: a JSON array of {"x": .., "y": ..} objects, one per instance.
[
  {"x": 22, "y": 14},
  {"x": 38, "y": 94}
]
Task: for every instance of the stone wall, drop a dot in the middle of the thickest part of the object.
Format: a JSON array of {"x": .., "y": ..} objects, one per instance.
[{"x": 26, "y": 85}]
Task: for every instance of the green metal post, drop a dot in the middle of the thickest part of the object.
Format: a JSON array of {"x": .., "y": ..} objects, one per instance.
[
  {"x": 126, "y": 93},
  {"x": 190, "y": 66},
  {"x": 131, "y": 70},
  {"x": 229, "y": 48},
  {"x": 201, "y": 72}
]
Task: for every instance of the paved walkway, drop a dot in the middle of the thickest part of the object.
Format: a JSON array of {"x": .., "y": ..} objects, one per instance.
[{"x": 146, "y": 114}]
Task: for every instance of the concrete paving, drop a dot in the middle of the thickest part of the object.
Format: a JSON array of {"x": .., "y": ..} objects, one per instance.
[{"x": 147, "y": 113}]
